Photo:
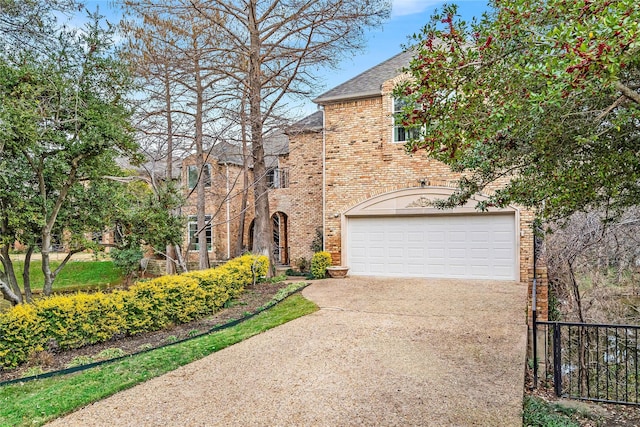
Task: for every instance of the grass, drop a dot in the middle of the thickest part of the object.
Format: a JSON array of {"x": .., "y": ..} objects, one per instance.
[
  {"x": 538, "y": 413},
  {"x": 37, "y": 402},
  {"x": 75, "y": 274}
]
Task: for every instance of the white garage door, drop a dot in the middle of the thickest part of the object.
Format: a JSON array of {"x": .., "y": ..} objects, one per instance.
[{"x": 455, "y": 246}]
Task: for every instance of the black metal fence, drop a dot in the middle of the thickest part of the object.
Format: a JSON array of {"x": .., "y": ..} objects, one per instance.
[{"x": 593, "y": 361}]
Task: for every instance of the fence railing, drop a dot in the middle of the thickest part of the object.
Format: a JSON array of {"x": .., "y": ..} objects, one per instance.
[{"x": 595, "y": 362}]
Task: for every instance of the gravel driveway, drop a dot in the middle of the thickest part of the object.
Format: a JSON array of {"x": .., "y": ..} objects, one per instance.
[{"x": 380, "y": 352}]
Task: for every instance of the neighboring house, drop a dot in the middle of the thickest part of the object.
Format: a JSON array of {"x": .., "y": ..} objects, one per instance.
[
  {"x": 294, "y": 173},
  {"x": 346, "y": 173}
]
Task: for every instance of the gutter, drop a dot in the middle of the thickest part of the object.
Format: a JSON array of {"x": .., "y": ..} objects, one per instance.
[
  {"x": 226, "y": 165},
  {"x": 348, "y": 97}
]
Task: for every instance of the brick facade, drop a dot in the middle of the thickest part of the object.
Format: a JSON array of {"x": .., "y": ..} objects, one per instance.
[
  {"x": 362, "y": 161},
  {"x": 298, "y": 204},
  {"x": 301, "y": 201},
  {"x": 223, "y": 201}
]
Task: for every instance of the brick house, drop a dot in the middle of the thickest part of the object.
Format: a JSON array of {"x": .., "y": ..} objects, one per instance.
[
  {"x": 294, "y": 167},
  {"x": 349, "y": 176},
  {"x": 377, "y": 212}
]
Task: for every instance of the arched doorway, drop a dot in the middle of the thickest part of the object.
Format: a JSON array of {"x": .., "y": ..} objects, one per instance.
[
  {"x": 252, "y": 227},
  {"x": 280, "y": 238}
]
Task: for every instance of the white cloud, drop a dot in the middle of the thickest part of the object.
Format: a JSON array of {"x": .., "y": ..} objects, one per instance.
[{"x": 410, "y": 7}]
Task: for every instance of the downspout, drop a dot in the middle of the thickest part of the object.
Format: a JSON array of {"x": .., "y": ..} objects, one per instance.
[
  {"x": 228, "y": 213},
  {"x": 324, "y": 182},
  {"x": 534, "y": 310}
]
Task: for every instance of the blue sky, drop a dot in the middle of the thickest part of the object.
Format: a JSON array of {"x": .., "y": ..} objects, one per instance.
[{"x": 407, "y": 18}]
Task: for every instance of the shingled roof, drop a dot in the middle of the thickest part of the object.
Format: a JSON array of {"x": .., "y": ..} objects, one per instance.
[
  {"x": 312, "y": 123},
  {"x": 369, "y": 83}
]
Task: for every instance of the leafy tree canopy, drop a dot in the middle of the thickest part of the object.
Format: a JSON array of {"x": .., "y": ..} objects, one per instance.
[
  {"x": 63, "y": 124},
  {"x": 540, "y": 96}
]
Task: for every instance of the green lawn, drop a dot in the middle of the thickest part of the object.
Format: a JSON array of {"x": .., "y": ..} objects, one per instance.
[
  {"x": 36, "y": 402},
  {"x": 76, "y": 274}
]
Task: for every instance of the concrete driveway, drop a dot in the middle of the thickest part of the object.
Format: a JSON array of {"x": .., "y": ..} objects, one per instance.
[{"x": 380, "y": 352}]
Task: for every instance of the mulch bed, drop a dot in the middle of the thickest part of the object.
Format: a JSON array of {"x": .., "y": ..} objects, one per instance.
[{"x": 251, "y": 299}]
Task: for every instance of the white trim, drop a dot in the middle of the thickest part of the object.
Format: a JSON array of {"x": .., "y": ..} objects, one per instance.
[{"x": 393, "y": 124}]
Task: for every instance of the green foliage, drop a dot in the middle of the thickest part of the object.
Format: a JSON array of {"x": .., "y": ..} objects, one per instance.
[
  {"x": 72, "y": 321},
  {"x": 79, "y": 361},
  {"x": 318, "y": 242},
  {"x": 147, "y": 219},
  {"x": 288, "y": 290},
  {"x": 542, "y": 93},
  {"x": 63, "y": 124},
  {"x": 319, "y": 264},
  {"x": 37, "y": 402},
  {"x": 276, "y": 279},
  {"x": 127, "y": 260},
  {"x": 110, "y": 353},
  {"x": 303, "y": 264},
  {"x": 538, "y": 413}
]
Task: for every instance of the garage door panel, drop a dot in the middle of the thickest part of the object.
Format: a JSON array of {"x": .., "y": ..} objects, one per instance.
[{"x": 457, "y": 246}]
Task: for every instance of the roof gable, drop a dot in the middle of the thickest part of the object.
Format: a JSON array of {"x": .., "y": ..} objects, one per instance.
[{"x": 368, "y": 83}]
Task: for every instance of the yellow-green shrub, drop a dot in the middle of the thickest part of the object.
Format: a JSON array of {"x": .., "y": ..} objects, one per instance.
[
  {"x": 228, "y": 281},
  {"x": 72, "y": 321},
  {"x": 21, "y": 334},
  {"x": 247, "y": 268},
  {"x": 157, "y": 303},
  {"x": 319, "y": 264}
]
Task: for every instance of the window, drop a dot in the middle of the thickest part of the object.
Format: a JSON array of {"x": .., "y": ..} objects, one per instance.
[
  {"x": 193, "y": 176},
  {"x": 277, "y": 178},
  {"x": 402, "y": 134},
  {"x": 194, "y": 244}
]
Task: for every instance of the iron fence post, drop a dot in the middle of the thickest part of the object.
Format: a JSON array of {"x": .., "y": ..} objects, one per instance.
[{"x": 557, "y": 360}]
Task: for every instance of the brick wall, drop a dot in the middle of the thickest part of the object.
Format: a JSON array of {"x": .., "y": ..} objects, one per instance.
[
  {"x": 301, "y": 202},
  {"x": 362, "y": 161},
  {"x": 217, "y": 196}
]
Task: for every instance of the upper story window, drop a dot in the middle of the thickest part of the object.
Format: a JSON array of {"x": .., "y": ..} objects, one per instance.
[
  {"x": 193, "y": 176},
  {"x": 400, "y": 133},
  {"x": 278, "y": 177}
]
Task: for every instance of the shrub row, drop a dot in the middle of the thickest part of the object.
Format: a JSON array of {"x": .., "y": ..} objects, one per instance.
[{"x": 72, "y": 321}]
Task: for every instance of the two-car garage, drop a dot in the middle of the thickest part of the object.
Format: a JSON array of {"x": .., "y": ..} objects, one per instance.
[{"x": 419, "y": 242}]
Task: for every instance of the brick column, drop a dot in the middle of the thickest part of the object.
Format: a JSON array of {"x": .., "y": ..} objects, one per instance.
[
  {"x": 542, "y": 307},
  {"x": 542, "y": 295}
]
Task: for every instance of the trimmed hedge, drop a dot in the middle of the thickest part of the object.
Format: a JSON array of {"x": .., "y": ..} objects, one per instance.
[{"x": 73, "y": 321}]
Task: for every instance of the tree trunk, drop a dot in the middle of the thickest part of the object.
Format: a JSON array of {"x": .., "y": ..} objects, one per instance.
[
  {"x": 169, "y": 250},
  {"x": 245, "y": 180},
  {"x": 263, "y": 233},
  {"x": 583, "y": 373},
  {"x": 47, "y": 288},
  {"x": 26, "y": 278},
  {"x": 8, "y": 283},
  {"x": 203, "y": 254}
]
